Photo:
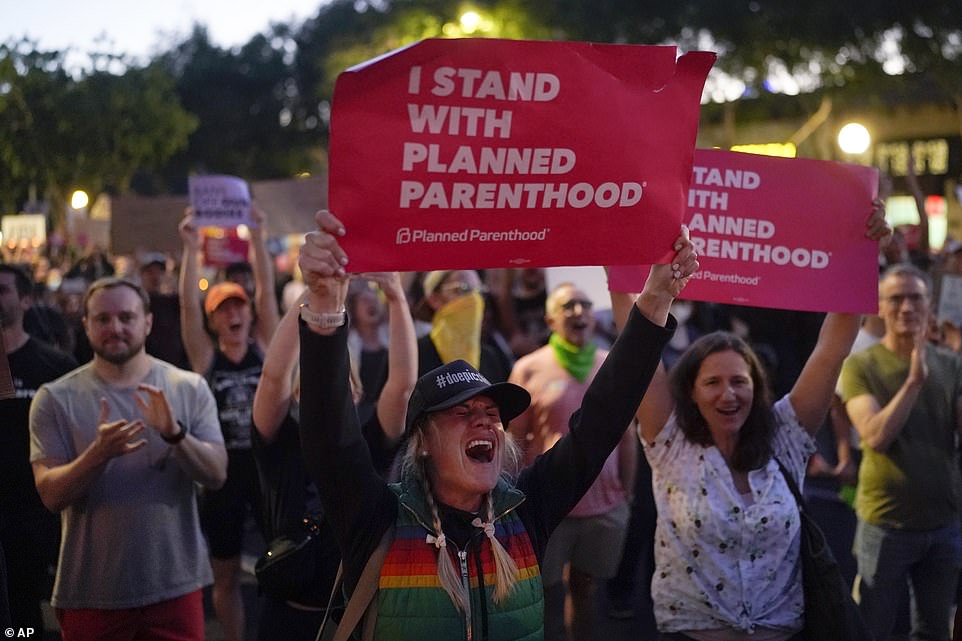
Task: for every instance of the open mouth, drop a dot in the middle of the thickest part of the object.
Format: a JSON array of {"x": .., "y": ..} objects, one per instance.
[
  {"x": 235, "y": 327},
  {"x": 479, "y": 450},
  {"x": 729, "y": 411}
]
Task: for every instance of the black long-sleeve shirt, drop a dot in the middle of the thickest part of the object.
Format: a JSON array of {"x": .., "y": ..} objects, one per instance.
[{"x": 359, "y": 503}]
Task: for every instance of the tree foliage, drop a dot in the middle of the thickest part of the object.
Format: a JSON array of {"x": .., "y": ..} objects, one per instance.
[
  {"x": 247, "y": 103},
  {"x": 836, "y": 43},
  {"x": 91, "y": 130},
  {"x": 261, "y": 110}
]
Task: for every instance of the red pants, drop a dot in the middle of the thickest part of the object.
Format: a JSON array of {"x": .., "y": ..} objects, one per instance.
[{"x": 180, "y": 619}]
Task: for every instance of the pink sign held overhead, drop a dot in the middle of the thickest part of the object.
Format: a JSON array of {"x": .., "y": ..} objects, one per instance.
[
  {"x": 497, "y": 153},
  {"x": 778, "y": 232}
]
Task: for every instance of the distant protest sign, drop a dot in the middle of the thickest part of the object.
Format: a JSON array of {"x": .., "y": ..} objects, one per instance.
[
  {"x": 224, "y": 248},
  {"x": 220, "y": 201},
  {"x": 26, "y": 229},
  {"x": 497, "y": 153},
  {"x": 786, "y": 233}
]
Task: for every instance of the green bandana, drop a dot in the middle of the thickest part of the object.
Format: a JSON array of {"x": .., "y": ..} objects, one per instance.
[{"x": 578, "y": 361}]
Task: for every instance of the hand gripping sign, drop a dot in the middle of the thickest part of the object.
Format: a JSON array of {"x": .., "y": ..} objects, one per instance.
[
  {"x": 777, "y": 232},
  {"x": 496, "y": 153}
]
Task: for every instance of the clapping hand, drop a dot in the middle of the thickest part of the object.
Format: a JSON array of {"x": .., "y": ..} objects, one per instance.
[
  {"x": 114, "y": 437},
  {"x": 156, "y": 410}
]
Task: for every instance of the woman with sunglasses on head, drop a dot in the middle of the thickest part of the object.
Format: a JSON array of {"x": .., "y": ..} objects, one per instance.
[{"x": 469, "y": 534}]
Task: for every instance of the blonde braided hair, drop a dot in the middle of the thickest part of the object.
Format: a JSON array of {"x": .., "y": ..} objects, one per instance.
[
  {"x": 449, "y": 577},
  {"x": 506, "y": 570}
]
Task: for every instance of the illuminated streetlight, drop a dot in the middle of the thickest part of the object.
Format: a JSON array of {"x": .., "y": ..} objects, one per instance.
[
  {"x": 470, "y": 21},
  {"x": 854, "y": 138},
  {"x": 79, "y": 199}
]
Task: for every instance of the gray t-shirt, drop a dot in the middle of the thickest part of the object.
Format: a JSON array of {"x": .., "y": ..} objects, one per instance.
[{"x": 135, "y": 538}]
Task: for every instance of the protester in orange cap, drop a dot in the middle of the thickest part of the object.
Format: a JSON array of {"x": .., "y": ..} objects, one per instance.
[{"x": 232, "y": 364}]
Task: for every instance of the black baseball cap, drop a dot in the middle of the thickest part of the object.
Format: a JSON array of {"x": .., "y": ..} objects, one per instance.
[{"x": 446, "y": 386}]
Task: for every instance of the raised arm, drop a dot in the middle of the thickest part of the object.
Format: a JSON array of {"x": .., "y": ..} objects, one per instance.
[
  {"x": 265, "y": 300},
  {"x": 559, "y": 478},
  {"x": 912, "y": 181},
  {"x": 335, "y": 452},
  {"x": 657, "y": 405},
  {"x": 200, "y": 350},
  {"x": 499, "y": 283},
  {"x": 402, "y": 368},
  {"x": 273, "y": 397},
  {"x": 812, "y": 394}
]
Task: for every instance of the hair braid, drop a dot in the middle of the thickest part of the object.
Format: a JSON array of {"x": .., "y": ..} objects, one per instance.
[
  {"x": 449, "y": 577},
  {"x": 505, "y": 569}
]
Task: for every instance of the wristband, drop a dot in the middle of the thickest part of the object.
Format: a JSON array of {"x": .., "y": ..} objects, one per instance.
[
  {"x": 324, "y": 321},
  {"x": 176, "y": 438}
]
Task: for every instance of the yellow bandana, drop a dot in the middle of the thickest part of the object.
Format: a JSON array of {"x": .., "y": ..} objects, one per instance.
[{"x": 456, "y": 330}]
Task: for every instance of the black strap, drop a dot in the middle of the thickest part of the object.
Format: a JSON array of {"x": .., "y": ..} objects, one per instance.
[
  {"x": 792, "y": 485},
  {"x": 363, "y": 597}
]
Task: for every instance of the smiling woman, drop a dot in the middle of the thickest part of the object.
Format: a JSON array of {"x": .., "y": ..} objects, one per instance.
[
  {"x": 719, "y": 451},
  {"x": 469, "y": 530}
]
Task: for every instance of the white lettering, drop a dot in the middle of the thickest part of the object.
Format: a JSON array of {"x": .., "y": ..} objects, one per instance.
[{"x": 491, "y": 85}]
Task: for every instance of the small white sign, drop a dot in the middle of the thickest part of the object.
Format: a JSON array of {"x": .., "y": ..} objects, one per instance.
[
  {"x": 220, "y": 201},
  {"x": 950, "y": 299},
  {"x": 31, "y": 228}
]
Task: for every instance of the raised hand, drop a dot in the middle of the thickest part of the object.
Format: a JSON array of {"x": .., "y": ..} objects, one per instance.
[
  {"x": 389, "y": 282},
  {"x": 258, "y": 218},
  {"x": 189, "y": 234},
  {"x": 918, "y": 368},
  {"x": 322, "y": 262},
  {"x": 670, "y": 279},
  {"x": 665, "y": 282},
  {"x": 876, "y": 227},
  {"x": 114, "y": 437},
  {"x": 156, "y": 410}
]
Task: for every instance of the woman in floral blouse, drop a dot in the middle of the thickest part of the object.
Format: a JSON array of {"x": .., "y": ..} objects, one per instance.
[{"x": 726, "y": 541}]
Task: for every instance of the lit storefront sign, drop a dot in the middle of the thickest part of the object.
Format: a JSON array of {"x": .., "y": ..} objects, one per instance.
[{"x": 934, "y": 157}]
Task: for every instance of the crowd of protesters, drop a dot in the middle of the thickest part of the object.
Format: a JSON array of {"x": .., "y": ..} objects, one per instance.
[{"x": 240, "y": 337}]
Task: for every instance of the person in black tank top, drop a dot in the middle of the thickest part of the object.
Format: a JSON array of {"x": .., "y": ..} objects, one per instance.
[
  {"x": 232, "y": 364},
  {"x": 287, "y": 493}
]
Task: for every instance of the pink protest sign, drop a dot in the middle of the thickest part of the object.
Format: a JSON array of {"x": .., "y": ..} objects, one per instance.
[
  {"x": 778, "y": 232},
  {"x": 496, "y": 153},
  {"x": 221, "y": 250}
]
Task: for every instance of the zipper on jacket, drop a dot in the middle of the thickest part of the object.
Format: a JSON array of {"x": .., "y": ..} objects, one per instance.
[{"x": 463, "y": 561}]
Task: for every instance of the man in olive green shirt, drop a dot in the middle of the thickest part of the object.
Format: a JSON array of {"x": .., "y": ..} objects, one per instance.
[{"x": 903, "y": 398}]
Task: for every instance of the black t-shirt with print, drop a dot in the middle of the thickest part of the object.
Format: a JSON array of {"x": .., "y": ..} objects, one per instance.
[{"x": 34, "y": 364}]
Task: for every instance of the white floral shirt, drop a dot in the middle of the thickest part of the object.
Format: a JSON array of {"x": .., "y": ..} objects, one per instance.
[{"x": 718, "y": 563}]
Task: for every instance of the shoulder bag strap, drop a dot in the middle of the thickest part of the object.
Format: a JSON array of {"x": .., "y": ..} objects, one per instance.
[
  {"x": 363, "y": 595},
  {"x": 792, "y": 486}
]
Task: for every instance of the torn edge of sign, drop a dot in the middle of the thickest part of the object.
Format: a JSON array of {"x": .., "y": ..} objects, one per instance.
[
  {"x": 384, "y": 56},
  {"x": 697, "y": 63}
]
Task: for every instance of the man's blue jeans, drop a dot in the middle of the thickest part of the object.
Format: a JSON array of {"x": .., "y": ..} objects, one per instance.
[{"x": 929, "y": 560}]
